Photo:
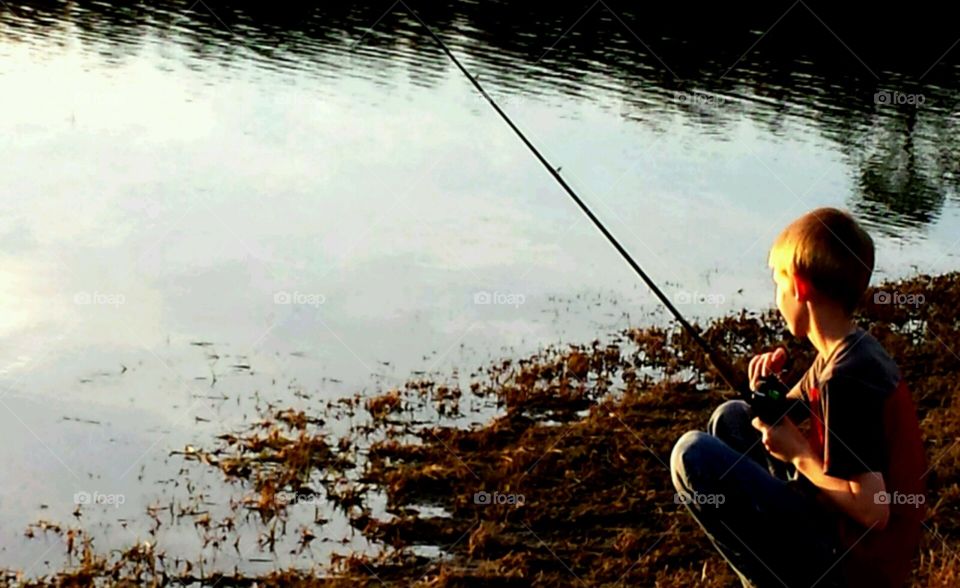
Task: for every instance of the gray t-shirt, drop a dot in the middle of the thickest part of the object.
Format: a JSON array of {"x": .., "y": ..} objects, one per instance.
[{"x": 845, "y": 393}]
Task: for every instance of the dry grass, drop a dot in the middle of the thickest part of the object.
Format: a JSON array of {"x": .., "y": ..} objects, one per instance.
[{"x": 583, "y": 435}]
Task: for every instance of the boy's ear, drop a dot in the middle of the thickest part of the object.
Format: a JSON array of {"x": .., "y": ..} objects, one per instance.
[{"x": 801, "y": 288}]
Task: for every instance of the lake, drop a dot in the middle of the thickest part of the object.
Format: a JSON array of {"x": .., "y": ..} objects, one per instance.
[{"x": 212, "y": 207}]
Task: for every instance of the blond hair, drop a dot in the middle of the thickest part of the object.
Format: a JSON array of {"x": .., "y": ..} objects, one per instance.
[{"x": 831, "y": 251}]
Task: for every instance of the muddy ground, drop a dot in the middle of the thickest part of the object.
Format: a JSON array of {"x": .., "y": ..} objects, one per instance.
[{"x": 567, "y": 484}]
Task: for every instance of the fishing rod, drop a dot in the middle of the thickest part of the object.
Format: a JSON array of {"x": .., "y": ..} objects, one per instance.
[{"x": 769, "y": 400}]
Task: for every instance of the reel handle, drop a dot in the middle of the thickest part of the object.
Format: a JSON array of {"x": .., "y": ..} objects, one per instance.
[{"x": 770, "y": 403}]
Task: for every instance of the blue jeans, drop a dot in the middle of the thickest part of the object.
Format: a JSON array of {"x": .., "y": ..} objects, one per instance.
[{"x": 755, "y": 510}]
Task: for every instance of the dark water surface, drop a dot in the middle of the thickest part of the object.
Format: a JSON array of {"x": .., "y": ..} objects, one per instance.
[{"x": 210, "y": 205}]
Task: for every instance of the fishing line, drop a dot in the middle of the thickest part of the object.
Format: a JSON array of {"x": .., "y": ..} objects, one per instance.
[{"x": 724, "y": 368}]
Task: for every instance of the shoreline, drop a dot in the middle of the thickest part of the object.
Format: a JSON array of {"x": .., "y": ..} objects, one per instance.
[{"x": 568, "y": 481}]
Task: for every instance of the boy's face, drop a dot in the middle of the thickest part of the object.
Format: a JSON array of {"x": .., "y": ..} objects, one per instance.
[{"x": 792, "y": 307}]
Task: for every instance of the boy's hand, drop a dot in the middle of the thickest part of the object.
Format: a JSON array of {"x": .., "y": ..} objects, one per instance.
[
  {"x": 765, "y": 364},
  {"x": 784, "y": 441}
]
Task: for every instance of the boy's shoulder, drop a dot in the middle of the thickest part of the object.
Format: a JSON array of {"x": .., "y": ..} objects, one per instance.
[{"x": 860, "y": 359}]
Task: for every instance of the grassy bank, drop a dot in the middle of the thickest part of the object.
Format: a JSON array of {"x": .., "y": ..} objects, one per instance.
[{"x": 574, "y": 464}]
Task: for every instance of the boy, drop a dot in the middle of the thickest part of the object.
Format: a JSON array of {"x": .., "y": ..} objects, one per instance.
[{"x": 839, "y": 505}]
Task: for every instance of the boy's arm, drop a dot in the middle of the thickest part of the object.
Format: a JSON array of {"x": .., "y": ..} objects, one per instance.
[
  {"x": 858, "y": 497},
  {"x": 848, "y": 469}
]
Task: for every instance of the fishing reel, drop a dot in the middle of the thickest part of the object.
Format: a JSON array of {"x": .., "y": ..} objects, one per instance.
[{"x": 770, "y": 403}]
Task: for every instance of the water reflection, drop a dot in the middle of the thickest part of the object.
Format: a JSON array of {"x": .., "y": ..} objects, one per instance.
[
  {"x": 814, "y": 62},
  {"x": 908, "y": 169},
  {"x": 171, "y": 168}
]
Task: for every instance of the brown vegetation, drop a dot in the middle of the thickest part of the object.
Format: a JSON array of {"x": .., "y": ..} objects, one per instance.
[{"x": 568, "y": 484}]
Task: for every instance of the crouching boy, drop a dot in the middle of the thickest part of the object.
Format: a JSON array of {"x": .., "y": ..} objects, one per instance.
[{"x": 840, "y": 503}]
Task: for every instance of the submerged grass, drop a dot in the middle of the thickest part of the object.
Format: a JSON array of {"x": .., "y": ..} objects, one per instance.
[{"x": 568, "y": 484}]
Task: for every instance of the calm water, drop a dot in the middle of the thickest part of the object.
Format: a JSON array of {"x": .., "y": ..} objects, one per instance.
[{"x": 191, "y": 189}]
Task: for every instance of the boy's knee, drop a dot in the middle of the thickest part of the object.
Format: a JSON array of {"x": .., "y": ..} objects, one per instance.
[
  {"x": 685, "y": 453},
  {"x": 731, "y": 415}
]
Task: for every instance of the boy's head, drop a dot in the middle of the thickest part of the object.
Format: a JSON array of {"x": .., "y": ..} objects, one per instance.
[{"x": 822, "y": 260}]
